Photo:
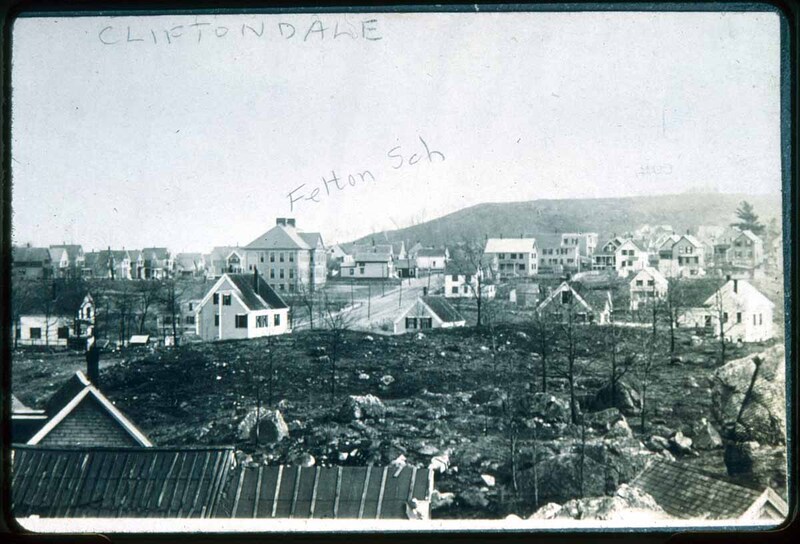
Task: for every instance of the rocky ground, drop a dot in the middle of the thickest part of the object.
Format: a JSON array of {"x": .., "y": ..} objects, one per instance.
[{"x": 444, "y": 399}]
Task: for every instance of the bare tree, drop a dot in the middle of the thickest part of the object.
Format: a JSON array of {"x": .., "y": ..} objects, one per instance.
[
  {"x": 543, "y": 335},
  {"x": 305, "y": 296},
  {"x": 170, "y": 295},
  {"x": 648, "y": 351},
  {"x": 722, "y": 317},
  {"x": 675, "y": 302},
  {"x": 337, "y": 323},
  {"x": 473, "y": 252},
  {"x": 619, "y": 365},
  {"x": 147, "y": 293}
]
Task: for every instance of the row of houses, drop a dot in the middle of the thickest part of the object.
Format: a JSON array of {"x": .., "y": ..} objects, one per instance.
[{"x": 70, "y": 261}]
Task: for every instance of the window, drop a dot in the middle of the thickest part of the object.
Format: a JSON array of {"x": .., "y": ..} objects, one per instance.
[
  {"x": 513, "y": 255},
  {"x": 760, "y": 320},
  {"x": 277, "y": 320},
  {"x": 271, "y": 257},
  {"x": 468, "y": 278},
  {"x": 454, "y": 289},
  {"x": 190, "y": 320},
  {"x": 353, "y": 271},
  {"x": 241, "y": 321},
  {"x": 282, "y": 287},
  {"x": 738, "y": 317},
  {"x": 501, "y": 255},
  {"x": 291, "y": 257},
  {"x": 291, "y": 273},
  {"x": 280, "y": 273},
  {"x": 521, "y": 267},
  {"x": 280, "y": 256},
  {"x": 754, "y": 319},
  {"x": 566, "y": 296},
  {"x": 272, "y": 273},
  {"x": 226, "y": 300},
  {"x": 262, "y": 321},
  {"x": 63, "y": 333},
  {"x": 708, "y": 321},
  {"x": 411, "y": 322},
  {"x": 191, "y": 306},
  {"x": 216, "y": 320},
  {"x": 725, "y": 317},
  {"x": 425, "y": 322},
  {"x": 361, "y": 270},
  {"x": 651, "y": 283},
  {"x": 35, "y": 333},
  {"x": 262, "y": 257},
  {"x": 639, "y": 283},
  {"x": 454, "y": 277},
  {"x": 216, "y": 298}
]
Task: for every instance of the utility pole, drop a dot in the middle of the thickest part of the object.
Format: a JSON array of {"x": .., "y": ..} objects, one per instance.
[
  {"x": 369, "y": 302},
  {"x": 400, "y": 304}
]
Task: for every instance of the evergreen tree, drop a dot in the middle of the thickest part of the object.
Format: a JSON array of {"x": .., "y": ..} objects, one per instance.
[{"x": 748, "y": 220}]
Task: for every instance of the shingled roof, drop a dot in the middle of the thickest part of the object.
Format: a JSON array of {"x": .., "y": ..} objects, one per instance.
[
  {"x": 117, "y": 482},
  {"x": 261, "y": 297},
  {"x": 324, "y": 492},
  {"x": 687, "y": 492},
  {"x": 443, "y": 309}
]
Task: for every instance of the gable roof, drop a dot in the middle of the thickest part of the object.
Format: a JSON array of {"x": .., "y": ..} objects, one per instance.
[
  {"x": 442, "y": 309},
  {"x": 692, "y": 240},
  {"x": 30, "y": 254},
  {"x": 432, "y": 252},
  {"x": 370, "y": 257},
  {"x": 73, "y": 393},
  {"x": 261, "y": 297},
  {"x": 510, "y": 245},
  {"x": 563, "y": 286},
  {"x": 751, "y": 235},
  {"x": 58, "y": 299},
  {"x": 56, "y": 253},
  {"x": 744, "y": 290},
  {"x": 312, "y": 239},
  {"x": 461, "y": 267},
  {"x": 189, "y": 261},
  {"x": 630, "y": 241},
  {"x": 279, "y": 237},
  {"x": 652, "y": 272},
  {"x": 687, "y": 492},
  {"x": 73, "y": 250},
  {"x": 146, "y": 482},
  {"x": 220, "y": 253},
  {"x": 370, "y": 492}
]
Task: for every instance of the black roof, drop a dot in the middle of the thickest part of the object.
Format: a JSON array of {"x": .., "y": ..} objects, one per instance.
[
  {"x": 443, "y": 309},
  {"x": 117, "y": 482},
  {"x": 244, "y": 283}
]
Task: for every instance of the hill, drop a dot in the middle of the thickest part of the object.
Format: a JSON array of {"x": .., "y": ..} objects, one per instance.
[{"x": 606, "y": 216}]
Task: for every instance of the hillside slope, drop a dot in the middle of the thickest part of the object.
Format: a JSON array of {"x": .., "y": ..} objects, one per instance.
[{"x": 606, "y": 216}]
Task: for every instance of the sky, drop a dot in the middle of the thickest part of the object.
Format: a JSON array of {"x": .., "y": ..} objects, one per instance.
[{"x": 192, "y": 131}]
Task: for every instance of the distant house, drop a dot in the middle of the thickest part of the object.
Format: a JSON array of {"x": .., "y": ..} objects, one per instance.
[
  {"x": 723, "y": 246},
  {"x": 60, "y": 260},
  {"x": 559, "y": 254},
  {"x": 747, "y": 250},
  {"x": 428, "y": 312},
  {"x": 336, "y": 253},
  {"x": 136, "y": 259},
  {"x": 54, "y": 317},
  {"x": 432, "y": 259},
  {"x": 190, "y": 265},
  {"x": 75, "y": 259},
  {"x": 207, "y": 482},
  {"x": 31, "y": 263},
  {"x": 406, "y": 268},
  {"x": 108, "y": 264},
  {"x": 646, "y": 286},
  {"x": 686, "y": 492},
  {"x": 368, "y": 265},
  {"x": 526, "y": 295},
  {"x": 463, "y": 279},
  {"x": 681, "y": 256},
  {"x": 241, "y": 306},
  {"x": 605, "y": 258},
  {"x": 509, "y": 257},
  {"x": 746, "y": 314},
  {"x": 288, "y": 258},
  {"x": 158, "y": 263},
  {"x": 708, "y": 236},
  {"x": 413, "y": 250},
  {"x": 573, "y": 301},
  {"x": 586, "y": 242},
  {"x": 80, "y": 415}
]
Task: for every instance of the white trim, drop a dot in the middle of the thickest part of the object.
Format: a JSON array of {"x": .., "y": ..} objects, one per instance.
[{"x": 110, "y": 408}]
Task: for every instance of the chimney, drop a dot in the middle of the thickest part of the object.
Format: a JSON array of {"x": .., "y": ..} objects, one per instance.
[
  {"x": 728, "y": 277},
  {"x": 280, "y": 221},
  {"x": 735, "y": 286},
  {"x": 93, "y": 362},
  {"x": 290, "y": 222}
]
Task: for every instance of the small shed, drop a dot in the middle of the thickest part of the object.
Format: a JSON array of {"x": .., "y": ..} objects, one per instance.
[{"x": 428, "y": 312}]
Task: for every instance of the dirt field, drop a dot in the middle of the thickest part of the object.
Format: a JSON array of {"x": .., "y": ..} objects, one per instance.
[{"x": 443, "y": 393}]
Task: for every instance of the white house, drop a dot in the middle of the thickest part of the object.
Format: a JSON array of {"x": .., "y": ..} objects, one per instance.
[
  {"x": 55, "y": 322},
  {"x": 585, "y": 305},
  {"x": 510, "y": 257},
  {"x": 462, "y": 279},
  {"x": 433, "y": 259},
  {"x": 629, "y": 257},
  {"x": 428, "y": 313},
  {"x": 746, "y": 314},
  {"x": 586, "y": 242},
  {"x": 681, "y": 256},
  {"x": 368, "y": 265},
  {"x": 241, "y": 306},
  {"x": 646, "y": 285}
]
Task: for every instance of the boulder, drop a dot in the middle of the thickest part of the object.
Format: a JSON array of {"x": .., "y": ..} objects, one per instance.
[
  {"x": 558, "y": 478},
  {"x": 680, "y": 444},
  {"x": 625, "y": 398},
  {"x": 357, "y": 407},
  {"x": 302, "y": 460},
  {"x": 441, "y": 500},
  {"x": 473, "y": 497},
  {"x": 549, "y": 408},
  {"x": 603, "y": 420},
  {"x": 268, "y": 425},
  {"x": 628, "y": 503},
  {"x": 760, "y": 464},
  {"x": 657, "y": 443},
  {"x": 388, "y": 379},
  {"x": 706, "y": 436},
  {"x": 763, "y": 419}
]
